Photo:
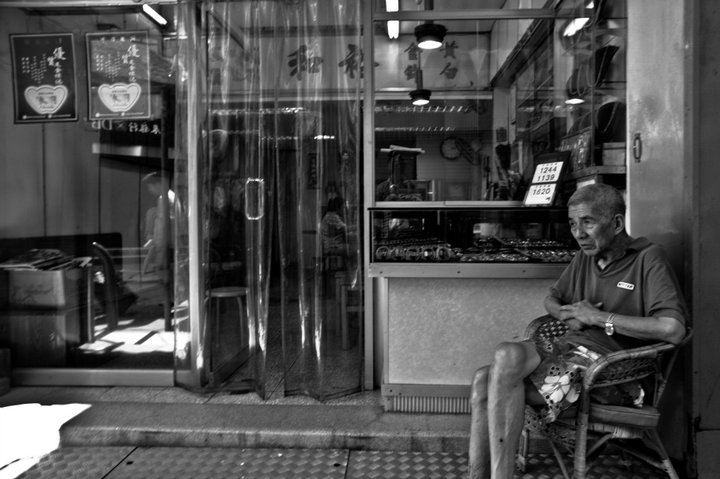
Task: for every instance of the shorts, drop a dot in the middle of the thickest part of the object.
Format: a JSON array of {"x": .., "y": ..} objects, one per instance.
[{"x": 558, "y": 378}]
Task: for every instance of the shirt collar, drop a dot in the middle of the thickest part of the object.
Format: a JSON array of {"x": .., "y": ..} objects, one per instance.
[{"x": 637, "y": 244}]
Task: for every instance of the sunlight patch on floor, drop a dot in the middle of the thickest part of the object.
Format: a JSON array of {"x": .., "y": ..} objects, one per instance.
[{"x": 30, "y": 431}]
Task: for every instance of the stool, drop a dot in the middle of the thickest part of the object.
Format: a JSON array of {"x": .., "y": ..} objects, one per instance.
[{"x": 215, "y": 295}]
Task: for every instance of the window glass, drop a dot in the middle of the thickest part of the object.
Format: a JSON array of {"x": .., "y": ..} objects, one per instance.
[
  {"x": 493, "y": 107},
  {"x": 87, "y": 137}
]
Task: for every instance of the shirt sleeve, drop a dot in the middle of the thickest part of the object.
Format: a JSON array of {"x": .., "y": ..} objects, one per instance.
[
  {"x": 563, "y": 289},
  {"x": 662, "y": 293}
]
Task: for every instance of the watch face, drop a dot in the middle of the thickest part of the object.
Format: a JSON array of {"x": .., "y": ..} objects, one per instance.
[{"x": 450, "y": 148}]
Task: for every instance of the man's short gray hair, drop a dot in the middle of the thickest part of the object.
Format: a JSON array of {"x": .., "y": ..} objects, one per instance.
[{"x": 603, "y": 199}]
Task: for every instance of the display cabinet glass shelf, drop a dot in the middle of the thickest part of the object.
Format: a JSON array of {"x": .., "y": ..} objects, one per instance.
[{"x": 451, "y": 240}]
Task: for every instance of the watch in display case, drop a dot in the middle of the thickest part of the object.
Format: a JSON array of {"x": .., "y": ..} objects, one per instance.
[{"x": 416, "y": 234}]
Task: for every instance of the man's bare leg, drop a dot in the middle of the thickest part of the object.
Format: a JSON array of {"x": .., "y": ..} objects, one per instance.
[
  {"x": 512, "y": 363},
  {"x": 479, "y": 453}
]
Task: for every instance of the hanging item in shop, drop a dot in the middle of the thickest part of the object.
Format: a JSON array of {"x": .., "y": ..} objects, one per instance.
[
  {"x": 118, "y": 75},
  {"x": 44, "y": 77}
]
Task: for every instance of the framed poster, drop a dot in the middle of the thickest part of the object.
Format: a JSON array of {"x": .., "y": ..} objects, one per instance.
[
  {"x": 118, "y": 75},
  {"x": 44, "y": 77}
]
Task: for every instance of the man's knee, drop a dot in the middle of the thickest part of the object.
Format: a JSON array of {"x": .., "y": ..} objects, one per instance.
[
  {"x": 479, "y": 385},
  {"x": 512, "y": 358}
]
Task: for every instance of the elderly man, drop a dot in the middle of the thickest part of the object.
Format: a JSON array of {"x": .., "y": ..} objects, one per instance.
[{"x": 621, "y": 292}]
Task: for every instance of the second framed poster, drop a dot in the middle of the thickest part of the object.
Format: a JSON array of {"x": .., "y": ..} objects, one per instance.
[{"x": 118, "y": 75}]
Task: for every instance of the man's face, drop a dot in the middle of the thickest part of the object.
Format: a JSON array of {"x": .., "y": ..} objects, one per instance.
[{"x": 594, "y": 233}]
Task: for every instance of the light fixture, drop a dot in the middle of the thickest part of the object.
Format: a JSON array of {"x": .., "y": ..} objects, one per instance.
[
  {"x": 420, "y": 97},
  {"x": 430, "y": 35},
  {"x": 393, "y": 26},
  {"x": 574, "y": 101},
  {"x": 574, "y": 25},
  {"x": 393, "y": 29},
  {"x": 154, "y": 15}
]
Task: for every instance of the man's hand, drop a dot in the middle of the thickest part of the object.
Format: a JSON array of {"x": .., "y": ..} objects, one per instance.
[
  {"x": 574, "y": 324},
  {"x": 582, "y": 314}
]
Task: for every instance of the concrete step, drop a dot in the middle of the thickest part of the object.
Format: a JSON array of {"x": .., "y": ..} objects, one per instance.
[{"x": 265, "y": 426}]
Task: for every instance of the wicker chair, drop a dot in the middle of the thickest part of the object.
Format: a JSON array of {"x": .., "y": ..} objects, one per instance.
[{"x": 584, "y": 429}]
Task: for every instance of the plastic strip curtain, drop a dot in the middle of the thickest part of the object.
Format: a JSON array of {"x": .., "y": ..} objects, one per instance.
[
  {"x": 282, "y": 139},
  {"x": 189, "y": 353}
]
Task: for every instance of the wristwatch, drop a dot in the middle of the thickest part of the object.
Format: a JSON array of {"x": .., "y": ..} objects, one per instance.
[{"x": 610, "y": 325}]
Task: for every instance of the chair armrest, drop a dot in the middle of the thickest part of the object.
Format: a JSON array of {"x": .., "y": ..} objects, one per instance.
[{"x": 624, "y": 366}]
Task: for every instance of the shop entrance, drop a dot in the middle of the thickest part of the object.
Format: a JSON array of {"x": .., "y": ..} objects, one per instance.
[{"x": 275, "y": 291}]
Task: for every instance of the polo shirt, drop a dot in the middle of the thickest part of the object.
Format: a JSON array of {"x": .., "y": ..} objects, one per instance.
[{"x": 639, "y": 283}]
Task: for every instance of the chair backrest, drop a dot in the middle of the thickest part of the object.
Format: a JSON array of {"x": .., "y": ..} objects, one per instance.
[
  {"x": 545, "y": 326},
  {"x": 667, "y": 363}
]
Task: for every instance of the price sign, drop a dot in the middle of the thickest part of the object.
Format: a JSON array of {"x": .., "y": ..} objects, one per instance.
[
  {"x": 544, "y": 185},
  {"x": 540, "y": 195},
  {"x": 547, "y": 172}
]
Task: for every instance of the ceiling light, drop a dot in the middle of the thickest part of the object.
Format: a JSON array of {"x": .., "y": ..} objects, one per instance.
[
  {"x": 152, "y": 13},
  {"x": 574, "y": 101},
  {"x": 430, "y": 35},
  {"x": 393, "y": 29},
  {"x": 393, "y": 26},
  {"x": 420, "y": 97}
]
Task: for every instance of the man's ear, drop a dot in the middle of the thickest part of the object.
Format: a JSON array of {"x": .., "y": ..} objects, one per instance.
[{"x": 619, "y": 223}]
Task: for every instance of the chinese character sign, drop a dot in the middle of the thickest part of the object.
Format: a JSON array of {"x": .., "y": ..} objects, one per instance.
[
  {"x": 44, "y": 77},
  {"x": 118, "y": 75},
  {"x": 462, "y": 62},
  {"x": 332, "y": 61}
]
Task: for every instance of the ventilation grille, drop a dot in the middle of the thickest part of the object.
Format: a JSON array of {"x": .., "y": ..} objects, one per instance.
[{"x": 428, "y": 404}]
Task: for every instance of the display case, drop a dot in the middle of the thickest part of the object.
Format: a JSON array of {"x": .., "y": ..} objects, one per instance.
[
  {"x": 498, "y": 239},
  {"x": 453, "y": 279}
]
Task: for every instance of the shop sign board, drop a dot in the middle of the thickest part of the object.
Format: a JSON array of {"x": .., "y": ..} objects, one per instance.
[
  {"x": 334, "y": 63},
  {"x": 461, "y": 63},
  {"x": 118, "y": 75},
  {"x": 44, "y": 77}
]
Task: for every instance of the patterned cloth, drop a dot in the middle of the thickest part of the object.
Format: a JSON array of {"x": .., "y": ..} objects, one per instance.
[{"x": 558, "y": 378}]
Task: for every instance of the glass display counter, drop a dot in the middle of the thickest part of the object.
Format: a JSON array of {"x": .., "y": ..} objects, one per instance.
[
  {"x": 452, "y": 280},
  {"x": 477, "y": 239}
]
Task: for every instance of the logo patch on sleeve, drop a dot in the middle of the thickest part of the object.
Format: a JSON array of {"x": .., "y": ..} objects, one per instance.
[{"x": 624, "y": 285}]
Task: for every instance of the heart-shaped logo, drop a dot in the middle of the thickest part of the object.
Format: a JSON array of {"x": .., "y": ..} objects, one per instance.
[
  {"x": 119, "y": 97},
  {"x": 46, "y": 99}
]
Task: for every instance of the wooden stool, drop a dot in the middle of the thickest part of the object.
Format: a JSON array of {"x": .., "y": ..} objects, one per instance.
[
  {"x": 344, "y": 286},
  {"x": 216, "y": 295}
]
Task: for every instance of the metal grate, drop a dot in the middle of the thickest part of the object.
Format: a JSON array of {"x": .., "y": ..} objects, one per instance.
[
  {"x": 428, "y": 404},
  {"x": 218, "y": 462}
]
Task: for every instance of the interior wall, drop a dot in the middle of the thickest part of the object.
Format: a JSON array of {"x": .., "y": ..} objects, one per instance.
[
  {"x": 21, "y": 165},
  {"x": 52, "y": 179},
  {"x": 48, "y": 174}
]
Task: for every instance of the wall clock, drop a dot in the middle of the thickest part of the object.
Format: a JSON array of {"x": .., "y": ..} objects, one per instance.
[{"x": 450, "y": 148}]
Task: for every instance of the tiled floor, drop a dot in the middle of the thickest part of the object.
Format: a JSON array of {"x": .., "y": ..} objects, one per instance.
[
  {"x": 198, "y": 463},
  {"x": 86, "y": 460}
]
